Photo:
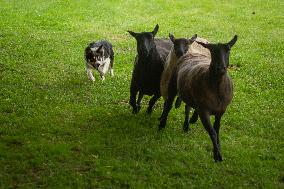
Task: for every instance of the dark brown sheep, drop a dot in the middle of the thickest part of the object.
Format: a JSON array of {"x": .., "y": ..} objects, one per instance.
[{"x": 203, "y": 84}]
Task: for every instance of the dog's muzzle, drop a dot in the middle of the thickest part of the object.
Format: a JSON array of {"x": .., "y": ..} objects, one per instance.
[{"x": 96, "y": 66}]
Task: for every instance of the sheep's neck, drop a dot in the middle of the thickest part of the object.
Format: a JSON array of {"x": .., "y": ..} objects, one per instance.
[
  {"x": 216, "y": 79},
  {"x": 146, "y": 60}
]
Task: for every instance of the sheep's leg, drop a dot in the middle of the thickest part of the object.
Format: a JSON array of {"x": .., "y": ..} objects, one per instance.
[
  {"x": 205, "y": 118},
  {"x": 186, "y": 120},
  {"x": 138, "y": 105},
  {"x": 167, "y": 108},
  {"x": 152, "y": 103},
  {"x": 194, "y": 117},
  {"x": 217, "y": 127},
  {"x": 133, "y": 93},
  {"x": 178, "y": 102},
  {"x": 172, "y": 92}
]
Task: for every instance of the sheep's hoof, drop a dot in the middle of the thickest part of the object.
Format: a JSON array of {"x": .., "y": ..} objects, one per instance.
[
  {"x": 217, "y": 156},
  {"x": 138, "y": 108},
  {"x": 194, "y": 118},
  {"x": 162, "y": 125},
  {"x": 185, "y": 128},
  {"x": 149, "y": 110},
  {"x": 135, "y": 110}
]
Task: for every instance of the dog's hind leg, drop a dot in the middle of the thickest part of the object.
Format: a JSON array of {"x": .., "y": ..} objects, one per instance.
[
  {"x": 111, "y": 67},
  {"x": 111, "y": 72}
]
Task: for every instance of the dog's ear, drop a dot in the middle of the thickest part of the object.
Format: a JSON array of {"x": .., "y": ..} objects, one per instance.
[{"x": 100, "y": 50}]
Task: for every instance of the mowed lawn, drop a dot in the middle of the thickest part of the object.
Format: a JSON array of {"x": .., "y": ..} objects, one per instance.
[{"x": 59, "y": 130}]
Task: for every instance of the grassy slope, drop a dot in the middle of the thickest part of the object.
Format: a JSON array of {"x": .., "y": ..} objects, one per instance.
[{"x": 59, "y": 130}]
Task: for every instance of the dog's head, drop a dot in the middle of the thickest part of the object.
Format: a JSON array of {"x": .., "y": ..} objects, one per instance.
[{"x": 97, "y": 56}]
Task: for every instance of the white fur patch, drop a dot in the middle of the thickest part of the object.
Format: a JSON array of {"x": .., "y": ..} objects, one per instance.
[
  {"x": 104, "y": 66},
  {"x": 94, "y": 48}
]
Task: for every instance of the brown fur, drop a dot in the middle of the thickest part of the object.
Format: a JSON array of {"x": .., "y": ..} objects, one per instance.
[
  {"x": 202, "y": 83},
  {"x": 171, "y": 63},
  {"x": 196, "y": 87}
]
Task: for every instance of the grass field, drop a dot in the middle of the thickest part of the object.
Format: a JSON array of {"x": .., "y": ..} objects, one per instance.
[{"x": 59, "y": 130}]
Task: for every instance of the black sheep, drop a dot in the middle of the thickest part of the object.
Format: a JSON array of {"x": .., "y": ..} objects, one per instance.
[{"x": 148, "y": 67}]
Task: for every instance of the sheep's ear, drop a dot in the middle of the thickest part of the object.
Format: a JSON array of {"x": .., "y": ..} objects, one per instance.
[
  {"x": 193, "y": 38},
  {"x": 132, "y": 33},
  {"x": 154, "y": 32},
  {"x": 232, "y": 42},
  {"x": 207, "y": 46},
  {"x": 172, "y": 37}
]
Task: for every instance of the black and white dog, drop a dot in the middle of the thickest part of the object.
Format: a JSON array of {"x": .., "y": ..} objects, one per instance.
[{"x": 100, "y": 56}]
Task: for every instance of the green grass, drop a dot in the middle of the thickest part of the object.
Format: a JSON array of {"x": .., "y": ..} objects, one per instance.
[{"x": 58, "y": 130}]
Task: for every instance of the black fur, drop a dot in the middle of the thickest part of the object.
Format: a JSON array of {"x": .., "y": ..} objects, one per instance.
[
  {"x": 148, "y": 67},
  {"x": 90, "y": 55}
]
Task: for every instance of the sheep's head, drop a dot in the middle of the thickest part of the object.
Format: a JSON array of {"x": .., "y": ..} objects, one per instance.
[
  {"x": 145, "y": 41},
  {"x": 181, "y": 45},
  {"x": 220, "y": 54}
]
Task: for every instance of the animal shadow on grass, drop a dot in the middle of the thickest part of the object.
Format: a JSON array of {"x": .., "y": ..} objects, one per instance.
[{"x": 121, "y": 135}]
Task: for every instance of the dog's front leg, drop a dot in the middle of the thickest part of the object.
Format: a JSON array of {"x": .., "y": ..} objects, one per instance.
[
  {"x": 102, "y": 76},
  {"x": 90, "y": 73},
  {"x": 111, "y": 72}
]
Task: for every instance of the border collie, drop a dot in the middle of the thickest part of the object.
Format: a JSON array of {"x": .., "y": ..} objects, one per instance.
[{"x": 100, "y": 56}]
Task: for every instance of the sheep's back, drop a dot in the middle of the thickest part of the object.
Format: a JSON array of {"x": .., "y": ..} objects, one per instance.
[
  {"x": 190, "y": 71},
  {"x": 191, "y": 67},
  {"x": 169, "y": 65},
  {"x": 196, "y": 88},
  {"x": 163, "y": 47},
  {"x": 196, "y": 48}
]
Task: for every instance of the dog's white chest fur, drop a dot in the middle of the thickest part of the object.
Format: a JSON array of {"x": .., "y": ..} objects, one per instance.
[{"x": 104, "y": 66}]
